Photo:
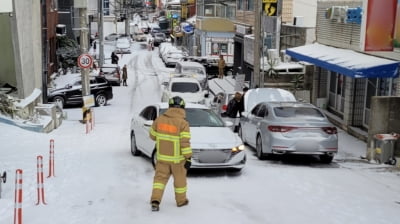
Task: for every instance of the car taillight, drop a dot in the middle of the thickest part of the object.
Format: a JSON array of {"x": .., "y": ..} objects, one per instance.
[
  {"x": 330, "y": 130},
  {"x": 275, "y": 128},
  {"x": 224, "y": 107}
]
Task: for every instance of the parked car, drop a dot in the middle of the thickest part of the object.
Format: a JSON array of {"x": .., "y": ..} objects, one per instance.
[
  {"x": 210, "y": 64},
  {"x": 172, "y": 57},
  {"x": 112, "y": 36},
  {"x": 140, "y": 37},
  {"x": 112, "y": 73},
  {"x": 193, "y": 69},
  {"x": 123, "y": 46},
  {"x": 159, "y": 38},
  {"x": 188, "y": 89},
  {"x": 71, "y": 93},
  {"x": 289, "y": 128},
  {"x": 163, "y": 46},
  {"x": 222, "y": 150}
]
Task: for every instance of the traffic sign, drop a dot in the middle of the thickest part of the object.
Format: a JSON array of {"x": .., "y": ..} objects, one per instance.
[{"x": 85, "y": 61}]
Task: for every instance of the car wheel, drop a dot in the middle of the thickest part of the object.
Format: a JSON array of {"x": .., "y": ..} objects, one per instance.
[
  {"x": 59, "y": 100},
  {"x": 326, "y": 158},
  {"x": 240, "y": 133},
  {"x": 101, "y": 100},
  {"x": 228, "y": 72},
  {"x": 259, "y": 152},
  {"x": 134, "y": 150},
  {"x": 154, "y": 158}
]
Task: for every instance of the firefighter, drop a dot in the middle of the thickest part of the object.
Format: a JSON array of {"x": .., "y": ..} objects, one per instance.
[{"x": 172, "y": 135}]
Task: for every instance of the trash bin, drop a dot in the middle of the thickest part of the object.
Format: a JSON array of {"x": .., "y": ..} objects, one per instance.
[{"x": 383, "y": 145}]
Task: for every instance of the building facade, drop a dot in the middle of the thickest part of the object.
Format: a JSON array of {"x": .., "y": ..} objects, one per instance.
[{"x": 346, "y": 77}]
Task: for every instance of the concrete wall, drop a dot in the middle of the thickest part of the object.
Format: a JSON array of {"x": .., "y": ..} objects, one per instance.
[
  {"x": 7, "y": 67},
  {"x": 28, "y": 46},
  {"x": 307, "y": 10},
  {"x": 384, "y": 117}
]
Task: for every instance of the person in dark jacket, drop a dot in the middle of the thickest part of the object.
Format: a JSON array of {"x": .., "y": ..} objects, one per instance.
[
  {"x": 114, "y": 58},
  {"x": 124, "y": 75},
  {"x": 241, "y": 108},
  {"x": 234, "y": 106},
  {"x": 171, "y": 131}
]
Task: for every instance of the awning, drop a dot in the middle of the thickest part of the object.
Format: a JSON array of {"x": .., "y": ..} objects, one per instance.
[{"x": 345, "y": 61}]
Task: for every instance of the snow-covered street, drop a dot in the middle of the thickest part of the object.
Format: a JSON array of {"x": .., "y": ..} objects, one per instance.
[{"x": 98, "y": 181}]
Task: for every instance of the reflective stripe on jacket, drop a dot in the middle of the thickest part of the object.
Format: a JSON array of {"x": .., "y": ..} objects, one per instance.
[{"x": 172, "y": 135}]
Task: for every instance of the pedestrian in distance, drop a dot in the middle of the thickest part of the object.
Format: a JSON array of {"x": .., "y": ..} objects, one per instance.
[
  {"x": 124, "y": 75},
  {"x": 171, "y": 131},
  {"x": 221, "y": 67},
  {"x": 114, "y": 58}
]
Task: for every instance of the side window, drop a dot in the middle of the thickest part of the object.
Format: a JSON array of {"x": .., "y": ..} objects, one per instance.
[
  {"x": 149, "y": 113},
  {"x": 255, "y": 109},
  {"x": 262, "y": 111}
]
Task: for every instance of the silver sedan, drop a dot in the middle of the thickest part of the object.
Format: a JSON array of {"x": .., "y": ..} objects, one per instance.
[{"x": 289, "y": 128}]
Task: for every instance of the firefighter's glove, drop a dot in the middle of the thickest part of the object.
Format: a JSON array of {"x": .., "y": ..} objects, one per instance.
[{"x": 188, "y": 163}]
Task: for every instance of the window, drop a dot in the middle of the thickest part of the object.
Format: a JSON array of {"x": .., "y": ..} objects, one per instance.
[
  {"x": 297, "y": 112},
  {"x": 185, "y": 87},
  {"x": 240, "y": 5},
  {"x": 149, "y": 113},
  {"x": 203, "y": 118},
  {"x": 209, "y": 10},
  {"x": 262, "y": 111},
  {"x": 250, "y": 5},
  {"x": 106, "y": 7},
  {"x": 219, "y": 48}
]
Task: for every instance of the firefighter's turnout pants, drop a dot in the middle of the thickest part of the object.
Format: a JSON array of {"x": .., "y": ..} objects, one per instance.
[{"x": 163, "y": 171}]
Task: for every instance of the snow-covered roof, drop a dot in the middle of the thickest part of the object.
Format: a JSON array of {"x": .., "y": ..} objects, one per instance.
[{"x": 345, "y": 61}]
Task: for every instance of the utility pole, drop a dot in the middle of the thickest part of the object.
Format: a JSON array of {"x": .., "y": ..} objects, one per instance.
[
  {"x": 82, "y": 5},
  {"x": 84, "y": 49},
  {"x": 101, "y": 32},
  {"x": 257, "y": 33}
]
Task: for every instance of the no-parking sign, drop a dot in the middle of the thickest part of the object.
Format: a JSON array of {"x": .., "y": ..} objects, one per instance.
[{"x": 85, "y": 61}]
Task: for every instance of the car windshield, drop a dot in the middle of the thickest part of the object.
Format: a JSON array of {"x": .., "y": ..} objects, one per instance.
[
  {"x": 192, "y": 70},
  {"x": 297, "y": 112},
  {"x": 185, "y": 87},
  {"x": 198, "y": 117}
]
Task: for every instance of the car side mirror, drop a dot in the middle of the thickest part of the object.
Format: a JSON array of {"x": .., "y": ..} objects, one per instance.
[
  {"x": 148, "y": 123},
  {"x": 68, "y": 86},
  {"x": 206, "y": 94}
]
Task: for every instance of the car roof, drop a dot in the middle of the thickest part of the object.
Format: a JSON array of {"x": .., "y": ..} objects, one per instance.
[
  {"x": 291, "y": 104},
  {"x": 164, "y": 105},
  {"x": 184, "y": 79},
  {"x": 255, "y": 96},
  {"x": 190, "y": 64}
]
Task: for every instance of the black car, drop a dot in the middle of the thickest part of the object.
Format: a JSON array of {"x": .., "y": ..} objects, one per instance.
[{"x": 71, "y": 93}]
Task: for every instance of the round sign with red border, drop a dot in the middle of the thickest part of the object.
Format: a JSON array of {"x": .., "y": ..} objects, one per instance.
[{"x": 85, "y": 61}]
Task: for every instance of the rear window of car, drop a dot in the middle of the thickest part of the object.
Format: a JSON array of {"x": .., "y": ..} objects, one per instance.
[
  {"x": 185, "y": 87},
  {"x": 297, "y": 112},
  {"x": 192, "y": 70}
]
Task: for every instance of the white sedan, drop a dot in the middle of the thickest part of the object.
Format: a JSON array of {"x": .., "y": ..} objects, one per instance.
[
  {"x": 213, "y": 143},
  {"x": 123, "y": 46},
  {"x": 187, "y": 88}
]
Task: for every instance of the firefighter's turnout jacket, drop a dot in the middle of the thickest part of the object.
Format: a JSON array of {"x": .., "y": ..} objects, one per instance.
[{"x": 172, "y": 135}]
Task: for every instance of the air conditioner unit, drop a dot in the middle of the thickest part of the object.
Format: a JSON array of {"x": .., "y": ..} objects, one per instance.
[{"x": 338, "y": 13}]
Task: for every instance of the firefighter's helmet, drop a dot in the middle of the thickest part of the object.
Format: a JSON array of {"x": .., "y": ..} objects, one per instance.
[{"x": 176, "y": 101}]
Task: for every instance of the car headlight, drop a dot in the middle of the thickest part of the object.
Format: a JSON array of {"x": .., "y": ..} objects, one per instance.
[{"x": 238, "y": 149}]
